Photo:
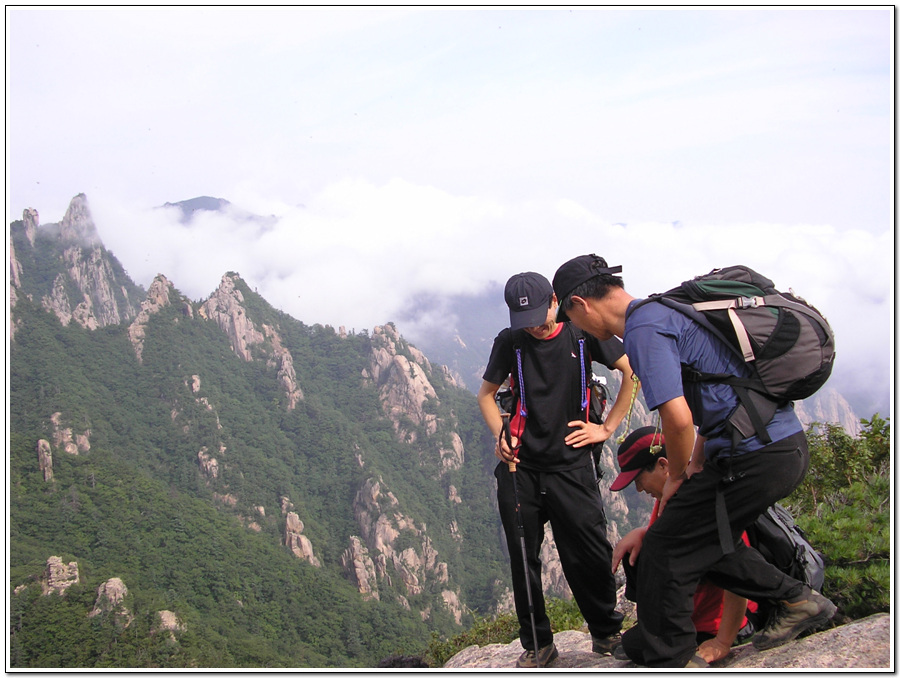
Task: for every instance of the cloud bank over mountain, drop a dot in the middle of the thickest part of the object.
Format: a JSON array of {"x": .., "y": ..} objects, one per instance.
[{"x": 357, "y": 253}]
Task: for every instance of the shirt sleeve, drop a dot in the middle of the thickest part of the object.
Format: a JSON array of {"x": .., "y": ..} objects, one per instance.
[
  {"x": 605, "y": 352},
  {"x": 500, "y": 362},
  {"x": 653, "y": 353}
]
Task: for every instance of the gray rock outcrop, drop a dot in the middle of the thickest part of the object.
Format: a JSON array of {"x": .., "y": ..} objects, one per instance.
[
  {"x": 58, "y": 576},
  {"x": 393, "y": 552},
  {"x": 863, "y": 644},
  {"x": 65, "y": 440},
  {"x": 226, "y": 307},
  {"x": 828, "y": 406},
  {"x": 297, "y": 542},
  {"x": 168, "y": 623},
  {"x": 111, "y": 600},
  {"x": 158, "y": 297},
  {"x": 402, "y": 374},
  {"x": 32, "y": 220},
  {"x": 45, "y": 459},
  {"x": 360, "y": 569}
]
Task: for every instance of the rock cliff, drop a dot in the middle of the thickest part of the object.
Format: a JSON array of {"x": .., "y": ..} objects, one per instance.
[
  {"x": 863, "y": 644},
  {"x": 59, "y": 576},
  {"x": 226, "y": 308},
  {"x": 45, "y": 459},
  {"x": 160, "y": 295},
  {"x": 393, "y": 552},
  {"x": 169, "y": 623},
  {"x": 828, "y": 406},
  {"x": 89, "y": 285},
  {"x": 402, "y": 374},
  {"x": 111, "y": 602},
  {"x": 297, "y": 542}
]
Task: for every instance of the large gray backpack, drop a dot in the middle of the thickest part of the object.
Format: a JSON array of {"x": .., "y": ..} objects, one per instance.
[{"x": 787, "y": 343}]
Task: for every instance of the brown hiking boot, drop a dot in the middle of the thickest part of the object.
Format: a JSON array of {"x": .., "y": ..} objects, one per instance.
[
  {"x": 792, "y": 619},
  {"x": 527, "y": 660},
  {"x": 606, "y": 646}
]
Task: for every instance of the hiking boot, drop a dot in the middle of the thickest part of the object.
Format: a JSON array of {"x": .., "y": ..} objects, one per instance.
[
  {"x": 620, "y": 654},
  {"x": 745, "y": 634},
  {"x": 546, "y": 655},
  {"x": 792, "y": 619},
  {"x": 697, "y": 662},
  {"x": 606, "y": 646}
]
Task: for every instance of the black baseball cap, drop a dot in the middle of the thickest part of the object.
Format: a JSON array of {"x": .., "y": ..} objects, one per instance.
[
  {"x": 528, "y": 296},
  {"x": 576, "y": 271}
]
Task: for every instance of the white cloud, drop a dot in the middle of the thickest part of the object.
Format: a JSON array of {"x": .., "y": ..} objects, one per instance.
[
  {"x": 358, "y": 252},
  {"x": 438, "y": 150}
]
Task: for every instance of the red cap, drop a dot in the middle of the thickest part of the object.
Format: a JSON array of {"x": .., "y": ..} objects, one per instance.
[{"x": 641, "y": 448}]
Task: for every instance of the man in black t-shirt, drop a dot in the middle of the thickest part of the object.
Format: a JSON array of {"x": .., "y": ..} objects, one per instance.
[{"x": 549, "y": 366}]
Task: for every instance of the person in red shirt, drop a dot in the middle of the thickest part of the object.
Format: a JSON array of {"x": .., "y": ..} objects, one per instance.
[{"x": 719, "y": 616}]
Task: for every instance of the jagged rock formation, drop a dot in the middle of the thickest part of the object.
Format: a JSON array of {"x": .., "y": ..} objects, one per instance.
[
  {"x": 58, "y": 576},
  {"x": 15, "y": 268},
  {"x": 360, "y": 569},
  {"x": 226, "y": 307},
  {"x": 402, "y": 383},
  {"x": 376, "y": 561},
  {"x": 159, "y": 296},
  {"x": 553, "y": 579},
  {"x": 64, "y": 440},
  {"x": 45, "y": 459},
  {"x": 297, "y": 542},
  {"x": 111, "y": 600},
  {"x": 863, "y": 644},
  {"x": 169, "y": 623},
  {"x": 209, "y": 466},
  {"x": 828, "y": 406},
  {"x": 89, "y": 290},
  {"x": 401, "y": 373}
]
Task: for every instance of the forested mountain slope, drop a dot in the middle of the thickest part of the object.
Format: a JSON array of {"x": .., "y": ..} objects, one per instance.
[
  {"x": 257, "y": 477},
  {"x": 216, "y": 483}
]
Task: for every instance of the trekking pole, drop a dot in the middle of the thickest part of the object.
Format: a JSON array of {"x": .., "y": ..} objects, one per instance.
[{"x": 505, "y": 433}]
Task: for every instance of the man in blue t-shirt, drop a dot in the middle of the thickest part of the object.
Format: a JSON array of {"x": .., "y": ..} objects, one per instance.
[
  {"x": 549, "y": 366},
  {"x": 688, "y": 542}
]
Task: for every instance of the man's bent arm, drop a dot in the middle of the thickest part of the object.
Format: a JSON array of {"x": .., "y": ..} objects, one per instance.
[
  {"x": 678, "y": 429},
  {"x": 623, "y": 399}
]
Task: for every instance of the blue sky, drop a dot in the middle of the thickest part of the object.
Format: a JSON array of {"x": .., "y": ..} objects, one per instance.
[{"x": 438, "y": 150}]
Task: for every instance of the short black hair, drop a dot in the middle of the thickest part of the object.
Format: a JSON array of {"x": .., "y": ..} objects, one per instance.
[{"x": 592, "y": 288}]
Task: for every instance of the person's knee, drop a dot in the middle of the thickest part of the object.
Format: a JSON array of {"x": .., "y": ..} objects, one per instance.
[{"x": 633, "y": 644}]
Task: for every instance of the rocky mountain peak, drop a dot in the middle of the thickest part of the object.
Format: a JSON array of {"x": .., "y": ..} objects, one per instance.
[
  {"x": 159, "y": 296},
  {"x": 402, "y": 374},
  {"x": 226, "y": 307},
  {"x": 78, "y": 224},
  {"x": 828, "y": 406},
  {"x": 89, "y": 285},
  {"x": 31, "y": 220}
]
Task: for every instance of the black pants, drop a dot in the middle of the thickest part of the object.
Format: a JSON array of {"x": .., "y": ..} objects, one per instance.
[
  {"x": 683, "y": 545},
  {"x": 571, "y": 501}
]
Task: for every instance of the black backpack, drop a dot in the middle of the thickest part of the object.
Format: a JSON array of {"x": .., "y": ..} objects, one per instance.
[
  {"x": 788, "y": 344},
  {"x": 784, "y": 544}
]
